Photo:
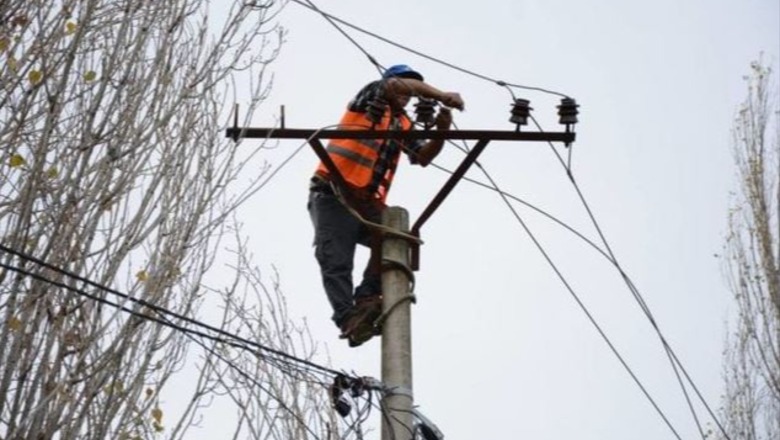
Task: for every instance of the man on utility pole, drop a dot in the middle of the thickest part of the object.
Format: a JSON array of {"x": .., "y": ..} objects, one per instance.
[{"x": 368, "y": 167}]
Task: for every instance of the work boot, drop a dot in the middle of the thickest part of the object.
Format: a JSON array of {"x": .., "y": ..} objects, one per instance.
[
  {"x": 356, "y": 330},
  {"x": 358, "y": 326},
  {"x": 372, "y": 305}
]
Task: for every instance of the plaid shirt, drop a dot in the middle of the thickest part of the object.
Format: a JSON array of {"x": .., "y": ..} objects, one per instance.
[{"x": 390, "y": 149}]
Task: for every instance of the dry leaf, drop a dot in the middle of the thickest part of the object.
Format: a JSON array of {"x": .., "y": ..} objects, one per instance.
[
  {"x": 157, "y": 415},
  {"x": 20, "y": 20},
  {"x": 35, "y": 76},
  {"x": 16, "y": 160},
  {"x": 70, "y": 28},
  {"x": 142, "y": 275},
  {"x": 15, "y": 324}
]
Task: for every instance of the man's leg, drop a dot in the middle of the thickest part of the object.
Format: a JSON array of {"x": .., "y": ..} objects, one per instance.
[
  {"x": 372, "y": 275},
  {"x": 336, "y": 233},
  {"x": 368, "y": 295}
]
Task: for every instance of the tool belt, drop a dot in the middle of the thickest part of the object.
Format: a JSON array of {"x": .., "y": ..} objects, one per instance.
[{"x": 322, "y": 185}]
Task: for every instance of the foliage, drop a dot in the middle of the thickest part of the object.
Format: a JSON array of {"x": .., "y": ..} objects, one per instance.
[
  {"x": 752, "y": 358},
  {"x": 113, "y": 166}
]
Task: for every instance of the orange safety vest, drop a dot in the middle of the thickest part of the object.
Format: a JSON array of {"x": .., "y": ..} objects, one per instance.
[{"x": 355, "y": 158}]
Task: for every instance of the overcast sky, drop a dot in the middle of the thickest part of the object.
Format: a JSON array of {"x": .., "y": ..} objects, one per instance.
[{"x": 500, "y": 347}]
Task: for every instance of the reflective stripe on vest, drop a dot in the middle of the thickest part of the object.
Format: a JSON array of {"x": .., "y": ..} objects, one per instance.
[{"x": 349, "y": 155}]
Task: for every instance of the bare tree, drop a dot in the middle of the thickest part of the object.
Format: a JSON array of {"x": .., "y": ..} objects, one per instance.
[
  {"x": 752, "y": 358},
  {"x": 114, "y": 168}
]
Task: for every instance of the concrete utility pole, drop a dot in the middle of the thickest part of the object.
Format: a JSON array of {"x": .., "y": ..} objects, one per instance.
[
  {"x": 396, "y": 330},
  {"x": 400, "y": 256}
]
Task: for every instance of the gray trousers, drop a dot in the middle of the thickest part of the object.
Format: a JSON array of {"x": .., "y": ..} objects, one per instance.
[{"x": 336, "y": 236}]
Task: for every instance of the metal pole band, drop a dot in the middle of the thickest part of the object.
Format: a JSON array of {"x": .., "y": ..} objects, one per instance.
[
  {"x": 398, "y": 391},
  {"x": 383, "y": 317},
  {"x": 391, "y": 264}
]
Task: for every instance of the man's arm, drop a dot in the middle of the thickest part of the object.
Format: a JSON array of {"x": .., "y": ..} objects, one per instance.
[
  {"x": 399, "y": 90},
  {"x": 432, "y": 148},
  {"x": 406, "y": 87}
]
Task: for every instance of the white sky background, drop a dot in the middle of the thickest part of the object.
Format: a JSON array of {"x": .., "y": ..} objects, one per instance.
[{"x": 501, "y": 349}]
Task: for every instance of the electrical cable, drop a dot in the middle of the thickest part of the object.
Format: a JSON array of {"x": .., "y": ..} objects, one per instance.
[
  {"x": 584, "y": 308},
  {"x": 582, "y": 237},
  {"x": 231, "y": 338},
  {"x": 674, "y": 360},
  {"x": 611, "y": 258},
  {"x": 361, "y": 417},
  {"x": 330, "y": 20},
  {"x": 505, "y": 198},
  {"x": 501, "y": 83},
  {"x": 385, "y": 411},
  {"x": 163, "y": 320},
  {"x": 143, "y": 316},
  {"x": 573, "y": 293},
  {"x": 530, "y": 206}
]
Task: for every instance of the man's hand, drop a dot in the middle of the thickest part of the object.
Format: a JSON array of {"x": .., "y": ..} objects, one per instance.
[
  {"x": 444, "y": 119},
  {"x": 452, "y": 99}
]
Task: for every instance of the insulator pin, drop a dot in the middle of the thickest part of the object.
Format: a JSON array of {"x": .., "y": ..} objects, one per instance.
[
  {"x": 567, "y": 112},
  {"x": 425, "y": 109},
  {"x": 520, "y": 112}
]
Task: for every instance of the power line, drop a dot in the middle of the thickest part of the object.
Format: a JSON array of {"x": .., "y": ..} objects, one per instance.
[
  {"x": 232, "y": 339},
  {"x": 330, "y": 20},
  {"x": 525, "y": 203},
  {"x": 554, "y": 219},
  {"x": 609, "y": 255},
  {"x": 163, "y": 319},
  {"x": 582, "y": 305},
  {"x": 674, "y": 360},
  {"x": 611, "y": 258},
  {"x": 333, "y": 19}
]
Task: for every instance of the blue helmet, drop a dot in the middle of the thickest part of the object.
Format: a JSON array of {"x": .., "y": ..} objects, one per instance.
[{"x": 402, "y": 71}]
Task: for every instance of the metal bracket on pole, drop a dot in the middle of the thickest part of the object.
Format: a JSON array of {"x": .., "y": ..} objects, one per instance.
[
  {"x": 442, "y": 194},
  {"x": 236, "y": 131},
  {"x": 468, "y": 135},
  {"x": 481, "y": 136},
  {"x": 399, "y": 390}
]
